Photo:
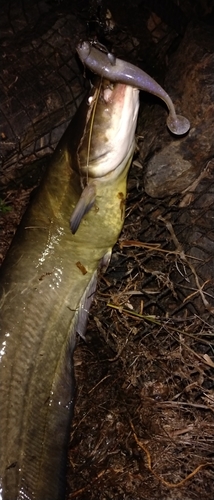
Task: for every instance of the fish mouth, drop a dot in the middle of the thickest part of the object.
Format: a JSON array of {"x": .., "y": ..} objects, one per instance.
[{"x": 112, "y": 131}]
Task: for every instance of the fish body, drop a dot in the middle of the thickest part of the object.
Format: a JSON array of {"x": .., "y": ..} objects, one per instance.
[{"x": 47, "y": 283}]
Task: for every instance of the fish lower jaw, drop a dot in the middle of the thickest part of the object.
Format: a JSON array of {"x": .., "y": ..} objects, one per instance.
[{"x": 104, "y": 173}]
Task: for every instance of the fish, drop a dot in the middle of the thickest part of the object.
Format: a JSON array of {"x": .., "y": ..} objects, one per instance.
[
  {"x": 48, "y": 281},
  {"x": 108, "y": 66},
  {"x": 49, "y": 277}
]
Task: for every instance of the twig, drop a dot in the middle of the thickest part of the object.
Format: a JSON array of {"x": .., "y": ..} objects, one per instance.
[
  {"x": 149, "y": 464},
  {"x": 183, "y": 257},
  {"x": 153, "y": 319},
  {"x": 151, "y": 247},
  {"x": 81, "y": 490},
  {"x": 98, "y": 383},
  {"x": 188, "y": 192}
]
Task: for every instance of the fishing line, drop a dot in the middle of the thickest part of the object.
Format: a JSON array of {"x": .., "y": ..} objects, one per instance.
[{"x": 91, "y": 126}]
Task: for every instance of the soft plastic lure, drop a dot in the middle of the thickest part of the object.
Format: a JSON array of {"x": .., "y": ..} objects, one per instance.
[{"x": 117, "y": 70}]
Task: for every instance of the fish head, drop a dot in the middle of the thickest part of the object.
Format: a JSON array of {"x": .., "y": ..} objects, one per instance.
[{"x": 109, "y": 134}]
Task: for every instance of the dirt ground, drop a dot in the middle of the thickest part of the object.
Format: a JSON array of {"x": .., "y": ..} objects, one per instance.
[{"x": 143, "y": 425}]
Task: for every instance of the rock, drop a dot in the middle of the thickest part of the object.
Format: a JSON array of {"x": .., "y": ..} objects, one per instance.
[{"x": 168, "y": 173}]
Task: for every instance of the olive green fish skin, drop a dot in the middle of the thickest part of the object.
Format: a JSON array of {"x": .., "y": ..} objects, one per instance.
[{"x": 47, "y": 284}]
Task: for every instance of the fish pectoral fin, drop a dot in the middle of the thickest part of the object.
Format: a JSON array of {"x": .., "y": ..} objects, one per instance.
[
  {"x": 105, "y": 260},
  {"x": 85, "y": 305},
  {"x": 83, "y": 206}
]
